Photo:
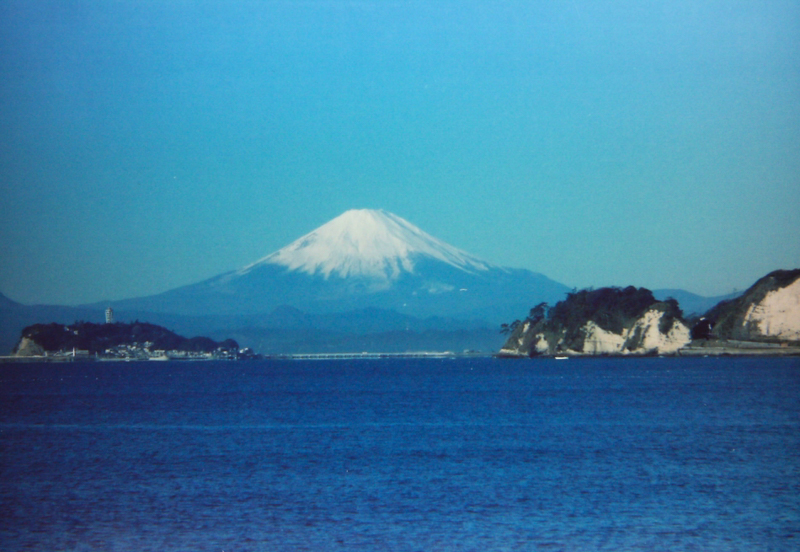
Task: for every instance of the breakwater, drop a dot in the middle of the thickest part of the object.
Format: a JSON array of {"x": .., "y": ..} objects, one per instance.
[{"x": 364, "y": 355}]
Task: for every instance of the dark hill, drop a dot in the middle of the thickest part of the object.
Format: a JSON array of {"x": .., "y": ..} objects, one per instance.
[{"x": 96, "y": 338}]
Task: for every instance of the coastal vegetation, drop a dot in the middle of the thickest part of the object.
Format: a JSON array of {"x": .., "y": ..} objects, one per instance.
[{"x": 611, "y": 309}]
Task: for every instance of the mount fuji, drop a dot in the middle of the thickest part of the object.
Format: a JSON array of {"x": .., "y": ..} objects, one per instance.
[
  {"x": 363, "y": 259},
  {"x": 370, "y": 244}
]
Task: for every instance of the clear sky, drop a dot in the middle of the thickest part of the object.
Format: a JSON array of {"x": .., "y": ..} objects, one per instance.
[{"x": 146, "y": 145}]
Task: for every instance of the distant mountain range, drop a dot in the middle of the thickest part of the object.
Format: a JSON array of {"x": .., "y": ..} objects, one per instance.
[
  {"x": 365, "y": 279},
  {"x": 692, "y": 304}
]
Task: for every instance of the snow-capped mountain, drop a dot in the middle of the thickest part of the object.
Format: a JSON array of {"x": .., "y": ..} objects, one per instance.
[
  {"x": 363, "y": 259},
  {"x": 366, "y": 243}
]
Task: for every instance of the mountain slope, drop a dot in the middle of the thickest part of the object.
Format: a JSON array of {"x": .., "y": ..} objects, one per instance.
[{"x": 363, "y": 259}]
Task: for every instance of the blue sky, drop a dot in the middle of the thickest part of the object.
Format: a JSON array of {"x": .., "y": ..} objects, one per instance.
[{"x": 147, "y": 145}]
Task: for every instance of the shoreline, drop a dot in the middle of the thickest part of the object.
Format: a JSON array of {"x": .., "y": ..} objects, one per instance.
[{"x": 694, "y": 349}]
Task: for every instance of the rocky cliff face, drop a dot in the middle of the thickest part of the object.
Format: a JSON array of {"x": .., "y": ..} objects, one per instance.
[
  {"x": 769, "y": 311},
  {"x": 605, "y": 321},
  {"x": 28, "y": 347}
]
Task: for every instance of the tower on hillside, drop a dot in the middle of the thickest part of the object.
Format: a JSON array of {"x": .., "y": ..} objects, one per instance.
[{"x": 109, "y": 315}]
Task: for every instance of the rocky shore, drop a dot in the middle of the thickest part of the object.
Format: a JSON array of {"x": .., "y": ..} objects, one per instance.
[{"x": 765, "y": 320}]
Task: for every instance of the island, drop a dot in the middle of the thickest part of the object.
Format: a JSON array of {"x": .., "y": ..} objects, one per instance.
[{"x": 119, "y": 341}]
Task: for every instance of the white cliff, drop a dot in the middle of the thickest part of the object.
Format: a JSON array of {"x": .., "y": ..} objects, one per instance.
[
  {"x": 768, "y": 312},
  {"x": 599, "y": 341},
  {"x": 643, "y": 337},
  {"x": 615, "y": 322},
  {"x": 777, "y": 315}
]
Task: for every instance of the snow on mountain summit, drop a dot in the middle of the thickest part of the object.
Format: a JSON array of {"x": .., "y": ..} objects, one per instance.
[{"x": 368, "y": 243}]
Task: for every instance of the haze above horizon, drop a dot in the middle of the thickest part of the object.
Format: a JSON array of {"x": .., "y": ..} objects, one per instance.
[{"x": 150, "y": 145}]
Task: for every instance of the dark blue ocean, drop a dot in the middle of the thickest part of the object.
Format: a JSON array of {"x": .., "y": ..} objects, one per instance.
[{"x": 408, "y": 455}]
